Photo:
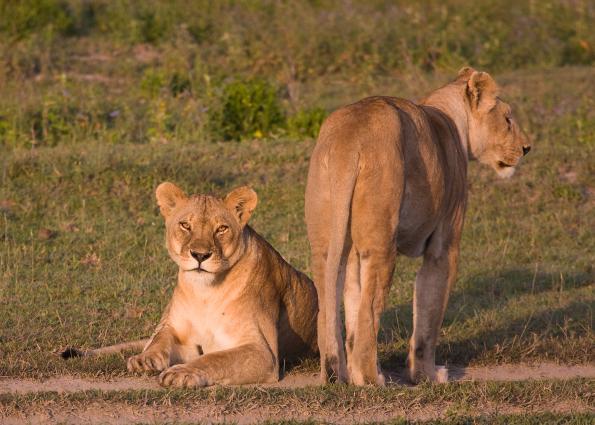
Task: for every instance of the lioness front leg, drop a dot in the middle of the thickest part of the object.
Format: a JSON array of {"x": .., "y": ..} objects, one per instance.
[
  {"x": 156, "y": 355},
  {"x": 432, "y": 286},
  {"x": 247, "y": 364}
]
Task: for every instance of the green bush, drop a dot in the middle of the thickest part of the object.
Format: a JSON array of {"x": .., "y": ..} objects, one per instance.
[
  {"x": 332, "y": 36},
  {"x": 152, "y": 83},
  {"x": 152, "y": 28},
  {"x": 247, "y": 109},
  {"x": 161, "y": 67},
  {"x": 179, "y": 84},
  {"x": 567, "y": 192},
  {"x": 306, "y": 122},
  {"x": 21, "y": 18}
]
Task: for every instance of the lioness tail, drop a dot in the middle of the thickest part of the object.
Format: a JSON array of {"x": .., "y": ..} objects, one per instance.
[
  {"x": 111, "y": 349},
  {"x": 343, "y": 171}
]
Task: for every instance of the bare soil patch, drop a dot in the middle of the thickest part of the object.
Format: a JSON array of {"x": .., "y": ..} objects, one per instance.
[{"x": 506, "y": 372}]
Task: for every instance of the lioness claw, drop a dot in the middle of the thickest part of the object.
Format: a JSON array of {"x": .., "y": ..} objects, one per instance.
[
  {"x": 147, "y": 362},
  {"x": 182, "y": 376}
]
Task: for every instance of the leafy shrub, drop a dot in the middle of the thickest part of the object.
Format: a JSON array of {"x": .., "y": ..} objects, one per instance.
[
  {"x": 152, "y": 83},
  {"x": 578, "y": 51},
  {"x": 152, "y": 28},
  {"x": 306, "y": 122},
  {"x": 179, "y": 84},
  {"x": 567, "y": 192},
  {"x": 22, "y": 18},
  {"x": 7, "y": 133},
  {"x": 50, "y": 122},
  {"x": 247, "y": 109}
]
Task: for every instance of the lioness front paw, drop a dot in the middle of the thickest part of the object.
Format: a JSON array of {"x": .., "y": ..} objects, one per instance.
[
  {"x": 149, "y": 361},
  {"x": 183, "y": 376}
]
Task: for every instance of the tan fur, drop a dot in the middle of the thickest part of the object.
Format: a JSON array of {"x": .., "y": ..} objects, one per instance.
[
  {"x": 104, "y": 351},
  {"x": 388, "y": 176},
  {"x": 235, "y": 315}
]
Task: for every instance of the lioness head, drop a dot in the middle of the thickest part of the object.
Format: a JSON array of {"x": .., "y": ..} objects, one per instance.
[
  {"x": 204, "y": 234},
  {"x": 495, "y": 137}
]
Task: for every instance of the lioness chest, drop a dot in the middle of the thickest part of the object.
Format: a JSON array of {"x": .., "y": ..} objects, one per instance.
[{"x": 206, "y": 319}]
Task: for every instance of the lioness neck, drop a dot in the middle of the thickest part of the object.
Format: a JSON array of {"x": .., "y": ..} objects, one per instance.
[{"x": 450, "y": 99}]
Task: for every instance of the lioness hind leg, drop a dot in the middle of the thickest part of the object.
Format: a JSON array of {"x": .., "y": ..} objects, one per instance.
[
  {"x": 351, "y": 300},
  {"x": 376, "y": 272},
  {"x": 432, "y": 287},
  {"x": 335, "y": 364},
  {"x": 318, "y": 265}
]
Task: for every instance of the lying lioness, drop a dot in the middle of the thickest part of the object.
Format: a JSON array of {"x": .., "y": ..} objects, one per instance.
[
  {"x": 238, "y": 308},
  {"x": 388, "y": 176}
]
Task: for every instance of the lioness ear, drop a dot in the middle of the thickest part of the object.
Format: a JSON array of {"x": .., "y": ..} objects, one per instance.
[
  {"x": 482, "y": 91},
  {"x": 241, "y": 201},
  {"x": 168, "y": 196},
  {"x": 465, "y": 73}
]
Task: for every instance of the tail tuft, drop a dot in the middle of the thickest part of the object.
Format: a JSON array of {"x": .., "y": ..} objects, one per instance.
[{"x": 71, "y": 352}]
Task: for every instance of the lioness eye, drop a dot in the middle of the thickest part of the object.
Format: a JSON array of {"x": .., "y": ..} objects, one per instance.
[
  {"x": 222, "y": 229},
  {"x": 509, "y": 122},
  {"x": 184, "y": 225}
]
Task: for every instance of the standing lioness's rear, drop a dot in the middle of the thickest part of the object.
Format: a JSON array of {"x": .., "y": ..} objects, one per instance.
[{"x": 388, "y": 176}]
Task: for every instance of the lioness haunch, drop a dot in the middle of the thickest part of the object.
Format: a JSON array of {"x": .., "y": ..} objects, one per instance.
[
  {"x": 388, "y": 176},
  {"x": 238, "y": 309}
]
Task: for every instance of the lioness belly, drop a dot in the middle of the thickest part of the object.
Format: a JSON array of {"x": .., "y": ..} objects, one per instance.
[
  {"x": 413, "y": 232},
  {"x": 411, "y": 245}
]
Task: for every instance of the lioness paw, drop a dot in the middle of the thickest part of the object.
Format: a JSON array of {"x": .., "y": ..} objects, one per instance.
[
  {"x": 441, "y": 374},
  {"x": 438, "y": 374},
  {"x": 183, "y": 376},
  {"x": 148, "y": 362}
]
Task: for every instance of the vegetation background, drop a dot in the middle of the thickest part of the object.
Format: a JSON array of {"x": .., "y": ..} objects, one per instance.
[{"x": 102, "y": 100}]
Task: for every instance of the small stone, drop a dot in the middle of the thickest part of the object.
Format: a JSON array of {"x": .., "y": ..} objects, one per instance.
[
  {"x": 7, "y": 205},
  {"x": 91, "y": 259},
  {"x": 45, "y": 234},
  {"x": 134, "y": 312}
]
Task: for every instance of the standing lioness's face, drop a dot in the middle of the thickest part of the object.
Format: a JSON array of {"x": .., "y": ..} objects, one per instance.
[
  {"x": 495, "y": 137},
  {"x": 204, "y": 233}
]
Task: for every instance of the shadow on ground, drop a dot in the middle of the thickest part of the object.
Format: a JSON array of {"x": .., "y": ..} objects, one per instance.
[{"x": 470, "y": 337}]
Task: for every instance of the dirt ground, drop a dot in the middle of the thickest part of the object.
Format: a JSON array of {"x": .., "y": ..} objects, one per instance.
[
  {"x": 297, "y": 380},
  {"x": 99, "y": 412}
]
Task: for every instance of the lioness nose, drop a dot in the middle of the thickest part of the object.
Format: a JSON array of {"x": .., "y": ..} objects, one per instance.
[
  {"x": 526, "y": 150},
  {"x": 200, "y": 256}
]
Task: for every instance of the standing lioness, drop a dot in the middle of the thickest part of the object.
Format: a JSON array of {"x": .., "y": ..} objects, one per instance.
[
  {"x": 238, "y": 309},
  {"x": 388, "y": 176}
]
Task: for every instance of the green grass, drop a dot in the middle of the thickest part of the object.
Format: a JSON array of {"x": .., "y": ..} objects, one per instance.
[
  {"x": 454, "y": 399},
  {"x": 99, "y": 104},
  {"x": 162, "y": 71},
  {"x": 525, "y": 288}
]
